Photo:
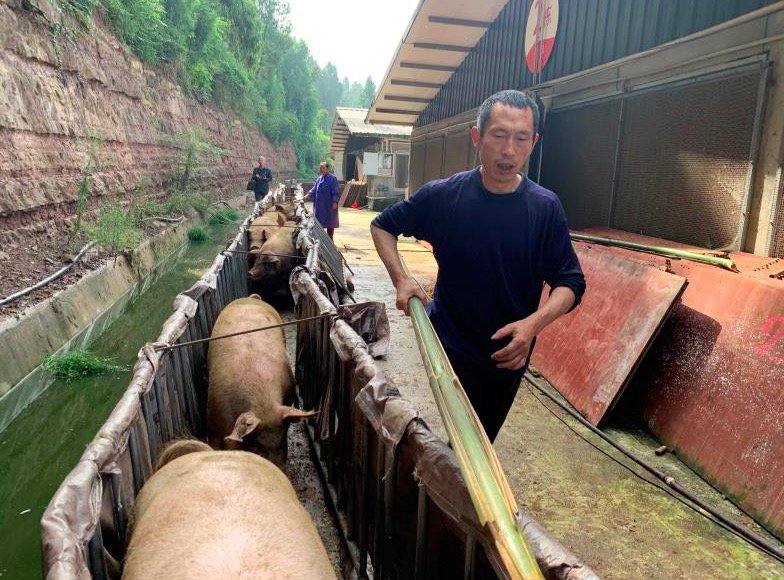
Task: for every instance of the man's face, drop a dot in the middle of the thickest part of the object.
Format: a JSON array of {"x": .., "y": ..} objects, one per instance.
[
  {"x": 261, "y": 162},
  {"x": 323, "y": 169},
  {"x": 505, "y": 147}
]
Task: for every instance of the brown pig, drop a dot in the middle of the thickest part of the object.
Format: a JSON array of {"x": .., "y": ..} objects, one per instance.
[
  {"x": 251, "y": 386},
  {"x": 222, "y": 514},
  {"x": 263, "y": 227},
  {"x": 274, "y": 261}
]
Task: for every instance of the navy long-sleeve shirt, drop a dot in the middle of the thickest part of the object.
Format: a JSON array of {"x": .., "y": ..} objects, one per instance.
[
  {"x": 494, "y": 253},
  {"x": 261, "y": 179}
]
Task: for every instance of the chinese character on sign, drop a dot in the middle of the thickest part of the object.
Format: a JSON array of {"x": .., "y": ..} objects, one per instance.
[{"x": 540, "y": 31}]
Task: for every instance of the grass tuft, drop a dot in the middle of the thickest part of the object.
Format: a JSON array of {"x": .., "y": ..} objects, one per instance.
[
  {"x": 197, "y": 234},
  {"x": 224, "y": 215},
  {"x": 78, "y": 363}
]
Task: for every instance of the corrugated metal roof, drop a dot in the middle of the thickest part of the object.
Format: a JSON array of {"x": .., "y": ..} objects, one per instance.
[
  {"x": 349, "y": 121},
  {"x": 439, "y": 37}
]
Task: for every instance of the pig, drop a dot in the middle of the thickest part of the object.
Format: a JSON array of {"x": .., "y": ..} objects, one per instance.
[
  {"x": 250, "y": 383},
  {"x": 179, "y": 448},
  {"x": 289, "y": 209},
  {"x": 222, "y": 514},
  {"x": 263, "y": 227},
  {"x": 274, "y": 261}
]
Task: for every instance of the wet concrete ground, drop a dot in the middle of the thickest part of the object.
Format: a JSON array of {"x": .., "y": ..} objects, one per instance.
[{"x": 593, "y": 500}]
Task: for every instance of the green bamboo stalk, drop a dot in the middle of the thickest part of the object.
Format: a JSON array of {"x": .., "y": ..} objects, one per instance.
[
  {"x": 673, "y": 252},
  {"x": 487, "y": 485}
]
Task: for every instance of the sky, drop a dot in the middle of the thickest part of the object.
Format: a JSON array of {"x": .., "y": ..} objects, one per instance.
[{"x": 359, "y": 37}]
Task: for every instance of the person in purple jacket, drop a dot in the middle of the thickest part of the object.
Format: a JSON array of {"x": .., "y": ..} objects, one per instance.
[
  {"x": 325, "y": 194},
  {"x": 497, "y": 238}
]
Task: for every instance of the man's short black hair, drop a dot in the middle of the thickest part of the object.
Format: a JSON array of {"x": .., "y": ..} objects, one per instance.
[{"x": 510, "y": 98}]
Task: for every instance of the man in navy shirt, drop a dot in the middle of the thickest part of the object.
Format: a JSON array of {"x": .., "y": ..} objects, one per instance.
[
  {"x": 261, "y": 180},
  {"x": 497, "y": 238}
]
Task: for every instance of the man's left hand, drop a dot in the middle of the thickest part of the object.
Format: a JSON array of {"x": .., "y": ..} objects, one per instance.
[{"x": 514, "y": 354}]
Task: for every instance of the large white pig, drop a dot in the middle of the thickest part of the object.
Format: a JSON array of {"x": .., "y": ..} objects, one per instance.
[
  {"x": 263, "y": 227},
  {"x": 274, "y": 261},
  {"x": 222, "y": 514},
  {"x": 250, "y": 386}
]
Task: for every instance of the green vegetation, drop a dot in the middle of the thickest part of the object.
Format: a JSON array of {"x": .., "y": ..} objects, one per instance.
[
  {"x": 198, "y": 234},
  {"x": 78, "y": 363},
  {"x": 116, "y": 230},
  {"x": 240, "y": 56},
  {"x": 83, "y": 195},
  {"x": 224, "y": 215},
  {"x": 201, "y": 202}
]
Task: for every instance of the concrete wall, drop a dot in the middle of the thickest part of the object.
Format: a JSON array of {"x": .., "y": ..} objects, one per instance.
[{"x": 72, "y": 317}]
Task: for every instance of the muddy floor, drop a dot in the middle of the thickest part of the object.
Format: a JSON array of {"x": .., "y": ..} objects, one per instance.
[{"x": 611, "y": 514}]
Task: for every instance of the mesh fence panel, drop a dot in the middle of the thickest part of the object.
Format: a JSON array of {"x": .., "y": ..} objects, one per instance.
[
  {"x": 777, "y": 241},
  {"x": 434, "y": 150},
  {"x": 456, "y": 153},
  {"x": 685, "y": 160},
  {"x": 578, "y": 149}
]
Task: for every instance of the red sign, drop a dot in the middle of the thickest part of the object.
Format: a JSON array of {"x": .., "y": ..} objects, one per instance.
[{"x": 540, "y": 33}]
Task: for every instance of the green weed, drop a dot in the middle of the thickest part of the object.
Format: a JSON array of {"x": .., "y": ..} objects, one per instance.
[
  {"x": 78, "y": 363},
  {"x": 198, "y": 234},
  {"x": 224, "y": 215},
  {"x": 115, "y": 231}
]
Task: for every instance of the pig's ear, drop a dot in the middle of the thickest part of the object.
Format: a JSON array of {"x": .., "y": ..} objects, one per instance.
[
  {"x": 281, "y": 219},
  {"x": 293, "y": 415},
  {"x": 243, "y": 426}
]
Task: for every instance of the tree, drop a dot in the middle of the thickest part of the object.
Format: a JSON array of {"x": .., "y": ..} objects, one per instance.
[
  {"x": 352, "y": 94},
  {"x": 240, "y": 55},
  {"x": 368, "y": 94},
  {"x": 329, "y": 90}
]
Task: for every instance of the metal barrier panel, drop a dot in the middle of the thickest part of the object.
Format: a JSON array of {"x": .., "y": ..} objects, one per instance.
[{"x": 84, "y": 526}]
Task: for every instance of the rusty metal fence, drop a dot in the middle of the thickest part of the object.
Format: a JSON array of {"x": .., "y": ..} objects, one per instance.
[{"x": 400, "y": 499}]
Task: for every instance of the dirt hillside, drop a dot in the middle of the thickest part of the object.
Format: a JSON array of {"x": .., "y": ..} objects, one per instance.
[{"x": 77, "y": 106}]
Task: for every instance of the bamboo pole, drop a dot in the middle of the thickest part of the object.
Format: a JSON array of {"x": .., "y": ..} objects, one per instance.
[
  {"x": 674, "y": 252},
  {"x": 487, "y": 485}
]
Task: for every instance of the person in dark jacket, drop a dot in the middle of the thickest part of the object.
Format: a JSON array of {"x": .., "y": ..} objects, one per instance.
[
  {"x": 262, "y": 175},
  {"x": 325, "y": 194},
  {"x": 497, "y": 238}
]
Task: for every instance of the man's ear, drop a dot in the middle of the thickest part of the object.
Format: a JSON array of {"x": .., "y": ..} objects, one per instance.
[
  {"x": 536, "y": 139},
  {"x": 475, "y": 136}
]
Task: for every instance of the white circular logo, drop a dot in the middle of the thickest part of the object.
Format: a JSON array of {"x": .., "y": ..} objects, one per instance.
[{"x": 540, "y": 33}]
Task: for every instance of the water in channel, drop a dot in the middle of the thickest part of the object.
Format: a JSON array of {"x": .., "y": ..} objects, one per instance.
[{"x": 45, "y": 441}]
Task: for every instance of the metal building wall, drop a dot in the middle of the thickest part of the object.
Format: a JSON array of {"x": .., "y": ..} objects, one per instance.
[{"x": 589, "y": 33}]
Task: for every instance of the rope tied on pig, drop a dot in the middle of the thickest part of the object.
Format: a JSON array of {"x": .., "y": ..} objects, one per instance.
[{"x": 163, "y": 347}]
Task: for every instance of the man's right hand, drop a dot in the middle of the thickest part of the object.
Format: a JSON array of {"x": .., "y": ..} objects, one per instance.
[{"x": 406, "y": 288}]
